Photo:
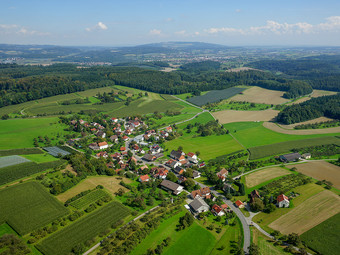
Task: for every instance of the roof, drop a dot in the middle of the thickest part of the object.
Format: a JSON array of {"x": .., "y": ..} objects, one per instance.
[
  {"x": 216, "y": 208},
  {"x": 201, "y": 192},
  {"x": 282, "y": 197},
  {"x": 224, "y": 206},
  {"x": 123, "y": 148},
  {"x": 197, "y": 203},
  {"x": 149, "y": 157},
  {"x": 144, "y": 178},
  {"x": 175, "y": 154},
  {"x": 195, "y": 173},
  {"x": 170, "y": 185},
  {"x": 102, "y": 144},
  {"x": 190, "y": 154},
  {"x": 223, "y": 172},
  {"x": 291, "y": 156},
  {"x": 238, "y": 203}
]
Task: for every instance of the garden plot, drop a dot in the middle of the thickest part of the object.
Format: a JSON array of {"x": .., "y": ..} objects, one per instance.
[
  {"x": 12, "y": 160},
  {"x": 264, "y": 175}
]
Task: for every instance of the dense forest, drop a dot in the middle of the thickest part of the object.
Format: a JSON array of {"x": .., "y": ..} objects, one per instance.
[
  {"x": 19, "y": 84},
  {"x": 321, "y": 72},
  {"x": 328, "y": 106}
]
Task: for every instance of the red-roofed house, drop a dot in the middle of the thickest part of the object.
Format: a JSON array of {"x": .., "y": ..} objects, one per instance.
[
  {"x": 144, "y": 178},
  {"x": 169, "y": 129},
  {"x": 122, "y": 148},
  {"x": 203, "y": 192},
  {"x": 224, "y": 207},
  {"x": 282, "y": 201},
  {"x": 102, "y": 154},
  {"x": 125, "y": 138},
  {"x": 103, "y": 145},
  {"x": 239, "y": 204},
  {"x": 217, "y": 210}
]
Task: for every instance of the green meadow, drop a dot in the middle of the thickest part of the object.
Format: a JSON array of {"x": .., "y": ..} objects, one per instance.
[
  {"x": 252, "y": 134},
  {"x": 19, "y": 133}
]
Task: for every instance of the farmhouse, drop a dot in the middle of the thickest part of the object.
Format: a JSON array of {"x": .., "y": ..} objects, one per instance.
[
  {"x": 198, "y": 205},
  {"x": 217, "y": 210},
  {"x": 239, "y": 204},
  {"x": 222, "y": 174},
  {"x": 171, "y": 186},
  {"x": 282, "y": 201},
  {"x": 290, "y": 157},
  {"x": 203, "y": 192},
  {"x": 144, "y": 178}
]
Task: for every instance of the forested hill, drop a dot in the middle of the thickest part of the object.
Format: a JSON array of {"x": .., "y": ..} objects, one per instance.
[
  {"x": 328, "y": 106},
  {"x": 321, "y": 72},
  {"x": 19, "y": 84}
]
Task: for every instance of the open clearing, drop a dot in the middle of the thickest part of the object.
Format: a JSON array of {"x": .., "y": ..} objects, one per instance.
[
  {"x": 230, "y": 116},
  {"x": 321, "y": 170},
  {"x": 266, "y": 244},
  {"x": 110, "y": 183},
  {"x": 316, "y": 93},
  {"x": 261, "y": 96},
  {"x": 325, "y": 237},
  {"x": 264, "y": 175},
  {"x": 273, "y": 126},
  {"x": 29, "y": 206},
  {"x": 308, "y": 214}
]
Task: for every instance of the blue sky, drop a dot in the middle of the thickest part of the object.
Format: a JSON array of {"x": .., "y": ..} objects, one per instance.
[{"x": 133, "y": 22}]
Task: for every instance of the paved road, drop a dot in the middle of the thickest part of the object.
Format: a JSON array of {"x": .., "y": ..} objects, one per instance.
[
  {"x": 138, "y": 217},
  {"x": 239, "y": 214}
]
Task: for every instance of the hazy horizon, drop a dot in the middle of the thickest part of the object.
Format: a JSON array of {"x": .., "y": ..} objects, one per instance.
[{"x": 113, "y": 23}]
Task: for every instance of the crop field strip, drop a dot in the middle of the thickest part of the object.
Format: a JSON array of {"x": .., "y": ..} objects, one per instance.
[
  {"x": 285, "y": 147},
  {"x": 324, "y": 238},
  {"x": 28, "y": 206},
  {"x": 230, "y": 116},
  {"x": 215, "y": 96},
  {"x": 15, "y": 172},
  {"x": 310, "y": 213},
  {"x": 25, "y": 151},
  {"x": 83, "y": 229},
  {"x": 88, "y": 199},
  {"x": 264, "y": 175},
  {"x": 12, "y": 160}
]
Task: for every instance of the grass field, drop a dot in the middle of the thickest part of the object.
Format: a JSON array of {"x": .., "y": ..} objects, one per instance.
[
  {"x": 306, "y": 191},
  {"x": 19, "y": 133},
  {"x": 252, "y": 134},
  {"x": 196, "y": 240},
  {"x": 28, "y": 206},
  {"x": 308, "y": 214},
  {"x": 261, "y": 96},
  {"x": 16, "y": 172},
  {"x": 325, "y": 237},
  {"x": 321, "y": 170},
  {"x": 83, "y": 229},
  {"x": 265, "y": 244},
  {"x": 285, "y": 147},
  {"x": 277, "y": 128},
  {"x": 88, "y": 199},
  {"x": 111, "y": 184},
  {"x": 230, "y": 116},
  {"x": 264, "y": 175},
  {"x": 40, "y": 158}
]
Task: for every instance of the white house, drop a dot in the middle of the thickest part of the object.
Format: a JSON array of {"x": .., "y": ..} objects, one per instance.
[
  {"x": 103, "y": 145},
  {"x": 282, "y": 201}
]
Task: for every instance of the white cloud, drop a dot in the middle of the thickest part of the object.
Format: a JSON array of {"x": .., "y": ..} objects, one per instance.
[
  {"x": 155, "y": 32},
  {"x": 20, "y": 30},
  {"x": 99, "y": 26},
  {"x": 274, "y": 27}
]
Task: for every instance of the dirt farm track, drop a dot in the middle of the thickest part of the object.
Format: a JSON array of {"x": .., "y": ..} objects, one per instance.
[{"x": 273, "y": 126}]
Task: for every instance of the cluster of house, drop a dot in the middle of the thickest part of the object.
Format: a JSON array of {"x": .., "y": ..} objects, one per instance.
[
  {"x": 291, "y": 157},
  {"x": 199, "y": 204}
]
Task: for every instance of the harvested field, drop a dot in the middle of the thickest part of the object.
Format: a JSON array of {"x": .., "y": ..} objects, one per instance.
[
  {"x": 215, "y": 96},
  {"x": 308, "y": 214},
  {"x": 316, "y": 93},
  {"x": 229, "y": 116},
  {"x": 110, "y": 183},
  {"x": 261, "y": 96},
  {"x": 317, "y": 120},
  {"x": 273, "y": 126},
  {"x": 264, "y": 175},
  {"x": 321, "y": 170}
]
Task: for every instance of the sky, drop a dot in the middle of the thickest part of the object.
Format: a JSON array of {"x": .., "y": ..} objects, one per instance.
[{"x": 134, "y": 22}]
